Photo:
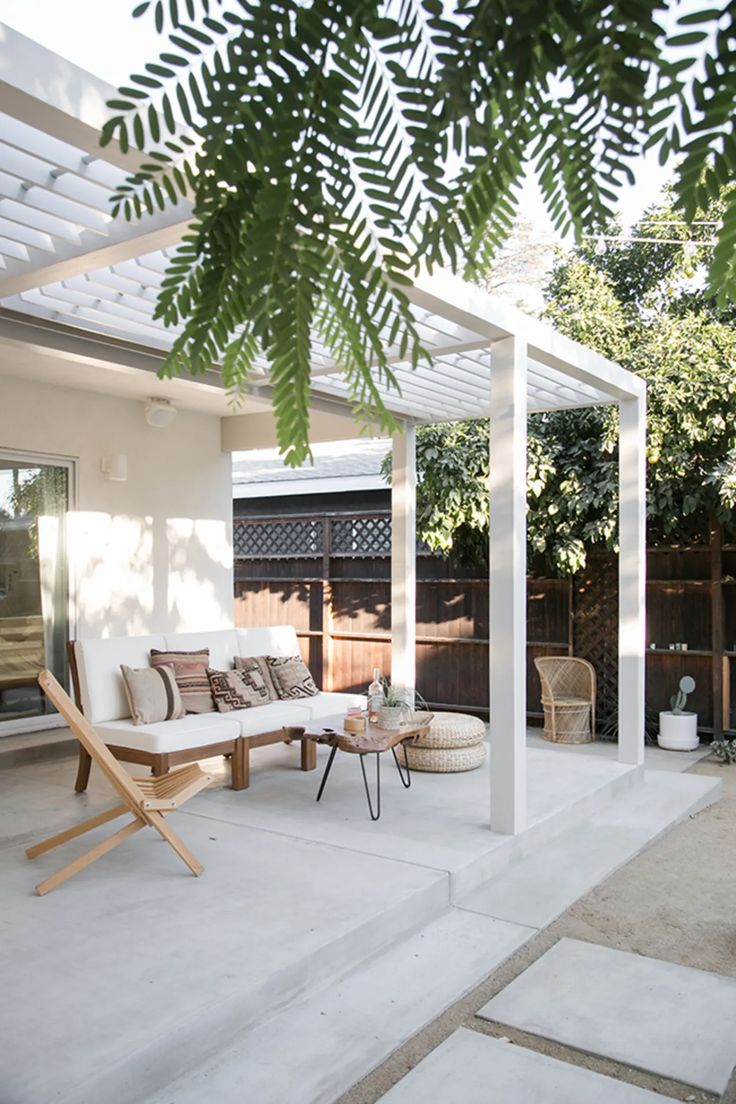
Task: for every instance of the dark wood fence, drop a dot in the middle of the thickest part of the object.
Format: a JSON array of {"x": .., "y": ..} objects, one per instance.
[{"x": 329, "y": 576}]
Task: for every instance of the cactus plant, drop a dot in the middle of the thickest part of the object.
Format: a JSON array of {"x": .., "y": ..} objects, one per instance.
[{"x": 678, "y": 700}]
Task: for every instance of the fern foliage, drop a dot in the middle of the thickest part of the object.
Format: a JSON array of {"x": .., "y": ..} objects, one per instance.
[{"x": 332, "y": 147}]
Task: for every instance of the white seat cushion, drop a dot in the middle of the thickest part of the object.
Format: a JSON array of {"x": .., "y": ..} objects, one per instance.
[
  {"x": 271, "y": 717},
  {"x": 101, "y": 686},
  {"x": 326, "y": 704},
  {"x": 194, "y": 730},
  {"x": 275, "y": 640},
  {"x": 222, "y": 644}
]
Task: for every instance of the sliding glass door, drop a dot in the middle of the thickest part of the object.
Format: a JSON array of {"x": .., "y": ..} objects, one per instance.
[{"x": 34, "y": 587}]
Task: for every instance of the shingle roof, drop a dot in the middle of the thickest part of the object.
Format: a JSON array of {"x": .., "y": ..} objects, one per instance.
[{"x": 332, "y": 460}]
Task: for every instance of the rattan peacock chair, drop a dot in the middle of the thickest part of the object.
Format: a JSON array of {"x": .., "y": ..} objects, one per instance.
[{"x": 568, "y": 698}]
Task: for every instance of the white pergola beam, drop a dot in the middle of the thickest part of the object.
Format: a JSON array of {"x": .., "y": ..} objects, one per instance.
[
  {"x": 124, "y": 242},
  {"x": 632, "y": 580},
  {"x": 474, "y": 309},
  {"x": 403, "y": 559},
  {"x": 38, "y": 198},
  {"x": 53, "y": 113},
  {"x": 507, "y": 635},
  {"x": 581, "y": 364},
  {"x": 26, "y": 235},
  {"x": 52, "y": 178},
  {"x": 47, "y": 92},
  {"x": 19, "y": 137}
]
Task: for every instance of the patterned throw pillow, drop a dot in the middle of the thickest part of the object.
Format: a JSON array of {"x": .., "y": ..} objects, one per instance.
[
  {"x": 291, "y": 677},
  {"x": 190, "y": 672},
  {"x": 152, "y": 694},
  {"x": 259, "y": 663},
  {"x": 237, "y": 689}
]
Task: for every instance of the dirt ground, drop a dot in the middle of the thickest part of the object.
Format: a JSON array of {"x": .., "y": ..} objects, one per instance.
[{"x": 676, "y": 901}]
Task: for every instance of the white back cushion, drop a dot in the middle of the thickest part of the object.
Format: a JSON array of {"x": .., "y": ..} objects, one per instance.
[
  {"x": 275, "y": 640},
  {"x": 222, "y": 643},
  {"x": 101, "y": 687},
  {"x": 98, "y": 661}
]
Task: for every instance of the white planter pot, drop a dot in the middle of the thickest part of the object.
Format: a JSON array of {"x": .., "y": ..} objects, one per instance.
[
  {"x": 391, "y": 716},
  {"x": 678, "y": 731}
]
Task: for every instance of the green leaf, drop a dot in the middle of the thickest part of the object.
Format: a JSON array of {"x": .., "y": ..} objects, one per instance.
[
  {"x": 139, "y": 136},
  {"x": 692, "y": 38}
]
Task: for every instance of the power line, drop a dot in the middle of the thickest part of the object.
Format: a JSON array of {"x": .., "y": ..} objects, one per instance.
[{"x": 624, "y": 240}]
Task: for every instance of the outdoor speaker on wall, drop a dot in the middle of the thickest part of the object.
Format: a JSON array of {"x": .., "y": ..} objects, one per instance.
[
  {"x": 159, "y": 413},
  {"x": 115, "y": 467}
]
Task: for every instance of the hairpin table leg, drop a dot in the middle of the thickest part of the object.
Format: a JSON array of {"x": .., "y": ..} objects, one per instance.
[
  {"x": 377, "y": 814},
  {"x": 326, "y": 775},
  {"x": 405, "y": 778}
]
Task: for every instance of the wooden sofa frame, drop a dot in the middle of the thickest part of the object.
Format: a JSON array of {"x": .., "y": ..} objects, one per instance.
[{"x": 237, "y": 750}]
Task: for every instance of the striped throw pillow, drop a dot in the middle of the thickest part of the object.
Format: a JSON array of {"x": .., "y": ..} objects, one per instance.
[
  {"x": 190, "y": 672},
  {"x": 152, "y": 694}
]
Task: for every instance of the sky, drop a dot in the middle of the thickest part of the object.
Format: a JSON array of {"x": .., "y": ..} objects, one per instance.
[{"x": 101, "y": 36}]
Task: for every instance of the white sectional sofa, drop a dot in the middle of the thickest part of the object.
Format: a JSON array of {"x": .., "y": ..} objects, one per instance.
[{"x": 98, "y": 686}]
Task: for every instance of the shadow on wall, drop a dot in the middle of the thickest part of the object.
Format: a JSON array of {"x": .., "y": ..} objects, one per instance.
[
  {"x": 366, "y": 607},
  {"x": 136, "y": 575},
  {"x": 360, "y": 606}
]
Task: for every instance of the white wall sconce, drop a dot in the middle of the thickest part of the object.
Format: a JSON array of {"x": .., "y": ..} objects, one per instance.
[
  {"x": 115, "y": 467},
  {"x": 159, "y": 413}
]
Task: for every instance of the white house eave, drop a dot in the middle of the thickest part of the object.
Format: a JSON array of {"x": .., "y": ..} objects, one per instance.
[{"x": 279, "y": 488}]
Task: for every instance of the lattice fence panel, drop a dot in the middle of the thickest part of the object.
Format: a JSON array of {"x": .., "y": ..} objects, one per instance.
[
  {"x": 595, "y": 627},
  {"x": 353, "y": 537},
  {"x": 280, "y": 540},
  {"x": 361, "y": 536},
  {"x": 366, "y": 536}
]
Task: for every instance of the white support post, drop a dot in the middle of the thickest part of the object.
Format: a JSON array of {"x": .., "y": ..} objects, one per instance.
[
  {"x": 403, "y": 558},
  {"x": 632, "y": 580},
  {"x": 507, "y": 636}
]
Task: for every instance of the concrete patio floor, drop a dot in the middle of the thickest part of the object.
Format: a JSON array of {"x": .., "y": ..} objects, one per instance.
[{"x": 134, "y": 972}]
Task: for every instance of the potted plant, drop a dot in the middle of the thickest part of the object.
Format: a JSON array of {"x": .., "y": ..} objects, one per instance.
[
  {"x": 678, "y": 728},
  {"x": 397, "y": 706}
]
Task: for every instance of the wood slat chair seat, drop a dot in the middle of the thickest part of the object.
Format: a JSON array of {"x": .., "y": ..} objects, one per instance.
[{"x": 147, "y": 799}]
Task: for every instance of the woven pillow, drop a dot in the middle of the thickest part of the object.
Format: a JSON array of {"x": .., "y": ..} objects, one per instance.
[
  {"x": 291, "y": 677},
  {"x": 237, "y": 689},
  {"x": 190, "y": 672},
  {"x": 258, "y": 663},
  {"x": 152, "y": 694}
]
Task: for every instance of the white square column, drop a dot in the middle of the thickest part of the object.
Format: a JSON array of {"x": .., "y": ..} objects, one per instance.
[
  {"x": 403, "y": 558},
  {"x": 507, "y": 636},
  {"x": 632, "y": 579}
]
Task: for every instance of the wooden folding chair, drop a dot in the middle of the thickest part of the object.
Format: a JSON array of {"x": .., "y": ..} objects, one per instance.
[{"x": 148, "y": 799}]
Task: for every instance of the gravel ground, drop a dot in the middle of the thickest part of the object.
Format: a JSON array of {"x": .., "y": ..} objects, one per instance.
[{"x": 676, "y": 901}]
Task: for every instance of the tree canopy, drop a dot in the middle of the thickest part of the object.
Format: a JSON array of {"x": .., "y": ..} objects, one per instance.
[
  {"x": 331, "y": 147},
  {"x": 644, "y": 304}
]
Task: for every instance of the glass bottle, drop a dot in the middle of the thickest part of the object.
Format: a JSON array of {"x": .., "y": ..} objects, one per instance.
[{"x": 375, "y": 695}]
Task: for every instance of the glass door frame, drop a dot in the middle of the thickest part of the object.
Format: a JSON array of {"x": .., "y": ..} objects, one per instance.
[{"x": 27, "y": 725}]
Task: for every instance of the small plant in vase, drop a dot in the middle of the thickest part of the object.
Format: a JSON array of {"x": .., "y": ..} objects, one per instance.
[
  {"x": 678, "y": 728},
  {"x": 398, "y": 705}
]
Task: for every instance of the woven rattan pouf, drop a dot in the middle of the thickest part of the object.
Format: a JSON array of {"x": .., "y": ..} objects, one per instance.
[{"x": 454, "y": 742}]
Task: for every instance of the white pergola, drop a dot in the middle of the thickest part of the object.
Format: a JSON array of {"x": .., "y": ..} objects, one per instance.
[{"x": 68, "y": 274}]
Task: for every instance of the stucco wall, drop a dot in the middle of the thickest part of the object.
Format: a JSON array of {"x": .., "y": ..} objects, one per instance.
[{"x": 151, "y": 554}]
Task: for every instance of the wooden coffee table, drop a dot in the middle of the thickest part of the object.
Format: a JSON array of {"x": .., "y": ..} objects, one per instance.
[{"x": 374, "y": 741}]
